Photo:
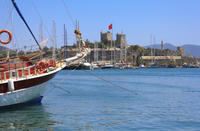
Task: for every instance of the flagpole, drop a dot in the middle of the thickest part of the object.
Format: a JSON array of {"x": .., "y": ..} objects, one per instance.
[
  {"x": 114, "y": 57},
  {"x": 111, "y": 45}
]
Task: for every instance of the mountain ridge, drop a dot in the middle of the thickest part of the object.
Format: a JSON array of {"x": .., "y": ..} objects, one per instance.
[{"x": 190, "y": 49}]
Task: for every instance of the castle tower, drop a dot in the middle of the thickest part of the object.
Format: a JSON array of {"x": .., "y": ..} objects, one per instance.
[
  {"x": 121, "y": 43},
  {"x": 106, "y": 37},
  {"x": 181, "y": 50},
  {"x": 162, "y": 45}
]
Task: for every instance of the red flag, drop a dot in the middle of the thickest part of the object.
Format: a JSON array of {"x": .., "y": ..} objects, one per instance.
[{"x": 110, "y": 27}]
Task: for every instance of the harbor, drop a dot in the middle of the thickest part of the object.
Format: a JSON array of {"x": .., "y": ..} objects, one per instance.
[
  {"x": 99, "y": 65},
  {"x": 161, "y": 99},
  {"x": 118, "y": 54},
  {"x": 137, "y": 57}
]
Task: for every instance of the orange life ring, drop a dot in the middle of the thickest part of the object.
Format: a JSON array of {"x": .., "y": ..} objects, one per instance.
[{"x": 9, "y": 34}]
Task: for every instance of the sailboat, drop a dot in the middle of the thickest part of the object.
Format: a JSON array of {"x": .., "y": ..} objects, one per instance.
[{"x": 23, "y": 80}]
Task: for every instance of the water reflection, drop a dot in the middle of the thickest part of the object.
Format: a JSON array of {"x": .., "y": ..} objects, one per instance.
[{"x": 33, "y": 117}]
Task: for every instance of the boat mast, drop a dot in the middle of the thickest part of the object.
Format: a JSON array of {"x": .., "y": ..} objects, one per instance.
[
  {"x": 154, "y": 42},
  {"x": 65, "y": 42},
  {"x": 54, "y": 39},
  {"x": 102, "y": 52},
  {"x": 151, "y": 47},
  {"x": 95, "y": 52},
  {"x": 114, "y": 52},
  {"x": 78, "y": 42},
  {"x": 41, "y": 31},
  {"x": 19, "y": 13}
]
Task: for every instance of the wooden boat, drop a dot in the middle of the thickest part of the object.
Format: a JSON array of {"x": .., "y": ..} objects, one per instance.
[
  {"x": 22, "y": 85},
  {"x": 23, "y": 80}
]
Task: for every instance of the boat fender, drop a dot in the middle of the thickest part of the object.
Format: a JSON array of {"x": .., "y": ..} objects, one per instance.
[
  {"x": 51, "y": 68},
  {"x": 9, "y": 34},
  {"x": 11, "y": 86}
]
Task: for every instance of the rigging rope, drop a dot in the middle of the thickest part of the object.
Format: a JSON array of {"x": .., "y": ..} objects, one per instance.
[
  {"x": 36, "y": 10},
  {"x": 68, "y": 13},
  {"x": 19, "y": 13},
  {"x": 9, "y": 18}
]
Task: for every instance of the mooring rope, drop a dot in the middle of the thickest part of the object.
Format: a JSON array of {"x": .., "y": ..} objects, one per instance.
[
  {"x": 92, "y": 74},
  {"x": 109, "y": 82},
  {"x": 57, "y": 85}
]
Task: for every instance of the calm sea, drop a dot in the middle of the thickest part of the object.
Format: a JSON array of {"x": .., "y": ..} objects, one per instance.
[{"x": 156, "y": 99}]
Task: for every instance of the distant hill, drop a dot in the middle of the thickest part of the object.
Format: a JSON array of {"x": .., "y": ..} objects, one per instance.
[
  {"x": 166, "y": 46},
  {"x": 193, "y": 50},
  {"x": 2, "y": 48}
]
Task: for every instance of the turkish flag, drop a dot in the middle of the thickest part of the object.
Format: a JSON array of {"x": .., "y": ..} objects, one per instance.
[{"x": 110, "y": 27}]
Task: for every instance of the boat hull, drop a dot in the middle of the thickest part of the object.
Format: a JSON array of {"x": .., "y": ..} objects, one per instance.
[
  {"x": 23, "y": 96},
  {"x": 25, "y": 90}
]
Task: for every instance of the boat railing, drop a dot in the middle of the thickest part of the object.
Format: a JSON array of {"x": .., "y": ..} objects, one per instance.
[
  {"x": 15, "y": 72},
  {"x": 25, "y": 69}
]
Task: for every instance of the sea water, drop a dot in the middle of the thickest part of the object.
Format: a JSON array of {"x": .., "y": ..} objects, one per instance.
[{"x": 113, "y": 100}]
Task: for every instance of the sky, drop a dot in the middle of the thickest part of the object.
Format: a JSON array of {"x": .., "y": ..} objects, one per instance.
[{"x": 173, "y": 21}]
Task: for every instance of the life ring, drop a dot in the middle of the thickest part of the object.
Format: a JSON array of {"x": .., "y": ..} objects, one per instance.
[{"x": 9, "y": 34}]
